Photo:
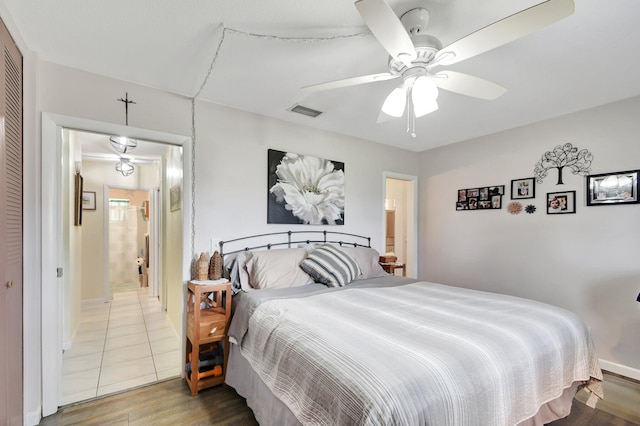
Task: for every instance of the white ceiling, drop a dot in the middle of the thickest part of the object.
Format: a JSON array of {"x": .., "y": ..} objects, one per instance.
[{"x": 588, "y": 59}]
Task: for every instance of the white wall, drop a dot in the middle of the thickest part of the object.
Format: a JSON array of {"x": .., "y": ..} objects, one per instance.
[
  {"x": 588, "y": 262},
  {"x": 231, "y": 182}
]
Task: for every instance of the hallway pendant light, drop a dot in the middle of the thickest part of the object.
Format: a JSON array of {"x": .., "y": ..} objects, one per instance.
[
  {"x": 124, "y": 167},
  {"x": 123, "y": 144}
]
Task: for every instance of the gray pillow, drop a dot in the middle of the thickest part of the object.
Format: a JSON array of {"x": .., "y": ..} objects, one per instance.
[{"x": 330, "y": 266}]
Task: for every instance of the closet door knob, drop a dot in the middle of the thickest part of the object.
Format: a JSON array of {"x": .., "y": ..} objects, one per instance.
[{"x": 9, "y": 284}]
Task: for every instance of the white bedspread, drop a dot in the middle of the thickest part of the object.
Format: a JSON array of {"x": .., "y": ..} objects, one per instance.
[{"x": 417, "y": 354}]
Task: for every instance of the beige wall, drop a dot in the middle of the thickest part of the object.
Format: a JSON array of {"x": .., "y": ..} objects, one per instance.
[
  {"x": 72, "y": 257},
  {"x": 96, "y": 175},
  {"x": 173, "y": 286}
]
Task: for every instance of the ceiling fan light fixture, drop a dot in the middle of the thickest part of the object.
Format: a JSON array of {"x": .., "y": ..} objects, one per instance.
[
  {"x": 424, "y": 107},
  {"x": 396, "y": 101},
  {"x": 124, "y": 167},
  {"x": 424, "y": 94},
  {"x": 123, "y": 144}
]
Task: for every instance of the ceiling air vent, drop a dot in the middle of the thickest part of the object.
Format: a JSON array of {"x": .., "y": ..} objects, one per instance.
[{"x": 305, "y": 111}]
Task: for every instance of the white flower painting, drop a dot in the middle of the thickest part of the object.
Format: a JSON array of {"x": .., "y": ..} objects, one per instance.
[{"x": 305, "y": 189}]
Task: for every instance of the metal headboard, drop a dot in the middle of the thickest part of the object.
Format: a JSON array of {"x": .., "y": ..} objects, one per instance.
[{"x": 293, "y": 238}]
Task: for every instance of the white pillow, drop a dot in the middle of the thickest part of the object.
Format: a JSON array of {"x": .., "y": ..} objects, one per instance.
[
  {"x": 277, "y": 268},
  {"x": 368, "y": 260}
]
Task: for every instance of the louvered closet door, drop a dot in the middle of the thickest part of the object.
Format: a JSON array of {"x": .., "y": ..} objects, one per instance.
[{"x": 11, "y": 299}]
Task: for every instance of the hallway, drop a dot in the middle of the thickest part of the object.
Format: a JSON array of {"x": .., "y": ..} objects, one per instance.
[{"x": 119, "y": 345}]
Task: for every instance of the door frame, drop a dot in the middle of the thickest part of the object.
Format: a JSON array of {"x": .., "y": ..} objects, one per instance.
[
  {"x": 412, "y": 237},
  {"x": 51, "y": 210}
]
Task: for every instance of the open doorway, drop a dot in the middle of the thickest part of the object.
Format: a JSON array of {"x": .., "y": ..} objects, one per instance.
[
  {"x": 62, "y": 251},
  {"x": 127, "y": 240},
  {"x": 119, "y": 335},
  {"x": 400, "y": 230}
]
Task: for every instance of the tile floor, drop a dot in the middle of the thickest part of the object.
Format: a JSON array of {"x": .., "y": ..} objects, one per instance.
[{"x": 119, "y": 345}]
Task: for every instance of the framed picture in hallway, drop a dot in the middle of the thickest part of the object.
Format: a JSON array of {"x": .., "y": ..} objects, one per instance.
[
  {"x": 88, "y": 200},
  {"x": 175, "y": 198}
]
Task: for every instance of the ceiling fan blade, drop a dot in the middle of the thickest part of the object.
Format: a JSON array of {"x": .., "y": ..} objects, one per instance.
[
  {"x": 383, "y": 118},
  {"x": 468, "y": 85},
  {"x": 505, "y": 31},
  {"x": 387, "y": 28},
  {"x": 353, "y": 81}
]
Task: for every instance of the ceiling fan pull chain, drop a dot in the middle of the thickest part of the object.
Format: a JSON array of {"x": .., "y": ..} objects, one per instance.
[
  {"x": 413, "y": 125},
  {"x": 411, "y": 115},
  {"x": 409, "y": 110}
]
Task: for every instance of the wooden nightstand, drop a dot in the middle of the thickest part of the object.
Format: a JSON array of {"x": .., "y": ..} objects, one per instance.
[
  {"x": 207, "y": 345},
  {"x": 391, "y": 267}
]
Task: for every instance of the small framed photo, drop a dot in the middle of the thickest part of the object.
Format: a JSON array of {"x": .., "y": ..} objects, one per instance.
[
  {"x": 523, "y": 188},
  {"x": 561, "y": 202},
  {"x": 613, "y": 188},
  {"x": 88, "y": 200}
]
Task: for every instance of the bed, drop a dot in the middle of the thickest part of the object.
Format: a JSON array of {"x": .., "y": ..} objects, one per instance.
[{"x": 321, "y": 335}]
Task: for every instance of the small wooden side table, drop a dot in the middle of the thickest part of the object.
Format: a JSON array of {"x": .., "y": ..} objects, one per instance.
[
  {"x": 208, "y": 315},
  {"x": 391, "y": 267}
]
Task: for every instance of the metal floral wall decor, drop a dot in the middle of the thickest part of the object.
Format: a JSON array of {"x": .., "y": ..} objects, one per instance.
[
  {"x": 304, "y": 190},
  {"x": 578, "y": 161}
]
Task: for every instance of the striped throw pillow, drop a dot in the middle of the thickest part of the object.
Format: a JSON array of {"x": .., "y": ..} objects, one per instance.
[{"x": 330, "y": 266}]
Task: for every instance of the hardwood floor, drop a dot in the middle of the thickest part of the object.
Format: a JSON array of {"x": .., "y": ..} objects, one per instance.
[
  {"x": 170, "y": 403},
  {"x": 166, "y": 403},
  {"x": 581, "y": 415}
]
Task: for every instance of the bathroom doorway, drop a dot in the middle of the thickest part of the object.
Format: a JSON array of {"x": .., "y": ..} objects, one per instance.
[
  {"x": 128, "y": 221},
  {"x": 400, "y": 227}
]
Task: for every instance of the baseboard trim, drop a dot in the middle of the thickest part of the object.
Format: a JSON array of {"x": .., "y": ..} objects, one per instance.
[
  {"x": 620, "y": 369},
  {"x": 32, "y": 418}
]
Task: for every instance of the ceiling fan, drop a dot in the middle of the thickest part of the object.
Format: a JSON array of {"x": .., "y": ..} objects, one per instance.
[{"x": 413, "y": 54}]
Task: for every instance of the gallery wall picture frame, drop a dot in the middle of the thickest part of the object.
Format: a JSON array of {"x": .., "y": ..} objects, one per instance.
[
  {"x": 523, "y": 188},
  {"x": 615, "y": 188},
  {"x": 480, "y": 198},
  {"x": 88, "y": 200},
  {"x": 561, "y": 202}
]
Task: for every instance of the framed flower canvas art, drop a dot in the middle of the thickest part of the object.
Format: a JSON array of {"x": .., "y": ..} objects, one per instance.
[{"x": 302, "y": 189}]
